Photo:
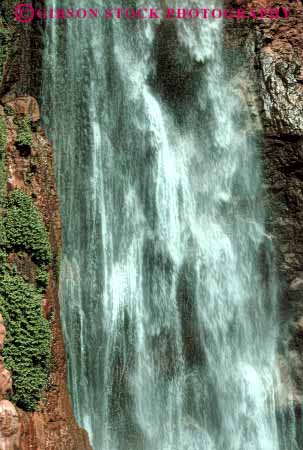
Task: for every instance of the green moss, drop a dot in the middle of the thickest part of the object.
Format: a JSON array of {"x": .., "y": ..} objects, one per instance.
[
  {"x": 25, "y": 229},
  {"x": 24, "y": 134},
  {"x": 3, "y": 239},
  {"x": 42, "y": 278},
  {"x": 3, "y": 262},
  {"x": 27, "y": 350},
  {"x": 27, "y": 347}
]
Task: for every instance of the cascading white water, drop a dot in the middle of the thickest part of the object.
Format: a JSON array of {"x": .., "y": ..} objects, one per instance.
[{"x": 168, "y": 289}]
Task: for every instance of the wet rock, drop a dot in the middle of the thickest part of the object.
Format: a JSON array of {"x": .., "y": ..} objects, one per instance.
[
  {"x": 283, "y": 96},
  {"x": 25, "y": 106},
  {"x": 9, "y": 426},
  {"x": 297, "y": 284},
  {"x": 5, "y": 383},
  {"x": 54, "y": 426}
]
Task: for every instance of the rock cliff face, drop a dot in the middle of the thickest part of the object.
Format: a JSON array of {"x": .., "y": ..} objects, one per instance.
[
  {"x": 28, "y": 167},
  {"x": 22, "y": 74},
  {"x": 272, "y": 52},
  {"x": 52, "y": 426}
]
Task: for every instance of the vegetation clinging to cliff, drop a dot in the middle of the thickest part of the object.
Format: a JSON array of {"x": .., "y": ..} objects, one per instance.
[
  {"x": 24, "y": 136},
  {"x": 25, "y": 229},
  {"x": 27, "y": 347},
  {"x": 27, "y": 350}
]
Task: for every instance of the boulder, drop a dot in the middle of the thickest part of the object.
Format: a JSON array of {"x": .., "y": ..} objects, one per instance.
[{"x": 9, "y": 426}]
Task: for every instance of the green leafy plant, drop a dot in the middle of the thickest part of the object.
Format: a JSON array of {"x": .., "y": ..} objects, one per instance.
[
  {"x": 42, "y": 278},
  {"x": 24, "y": 134},
  {"x": 25, "y": 229},
  {"x": 3, "y": 262},
  {"x": 27, "y": 347},
  {"x": 3, "y": 240},
  {"x": 27, "y": 350}
]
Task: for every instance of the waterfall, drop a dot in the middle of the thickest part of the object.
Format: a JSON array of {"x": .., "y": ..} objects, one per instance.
[{"x": 168, "y": 286}]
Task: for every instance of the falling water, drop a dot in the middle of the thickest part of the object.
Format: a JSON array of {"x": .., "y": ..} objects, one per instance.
[{"x": 168, "y": 288}]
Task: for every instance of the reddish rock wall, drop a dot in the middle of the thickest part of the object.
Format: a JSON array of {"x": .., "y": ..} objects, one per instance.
[{"x": 53, "y": 427}]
